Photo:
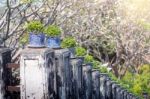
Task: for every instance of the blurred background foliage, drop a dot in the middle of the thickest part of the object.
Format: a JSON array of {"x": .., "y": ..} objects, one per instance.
[{"x": 112, "y": 32}]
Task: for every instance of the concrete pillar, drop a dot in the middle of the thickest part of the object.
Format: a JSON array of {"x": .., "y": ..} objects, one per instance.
[
  {"x": 37, "y": 74},
  {"x": 71, "y": 51},
  {"x": 114, "y": 85},
  {"x": 128, "y": 95},
  {"x": 87, "y": 81},
  {"x": 64, "y": 74},
  {"x": 121, "y": 93},
  {"x": 108, "y": 89},
  {"x": 5, "y": 57},
  {"x": 125, "y": 94},
  {"x": 96, "y": 84},
  {"x": 77, "y": 77},
  {"x": 118, "y": 92},
  {"x": 103, "y": 78},
  {"x": 131, "y": 96}
]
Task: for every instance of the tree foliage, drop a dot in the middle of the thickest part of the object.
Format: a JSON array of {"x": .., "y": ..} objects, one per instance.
[{"x": 113, "y": 31}]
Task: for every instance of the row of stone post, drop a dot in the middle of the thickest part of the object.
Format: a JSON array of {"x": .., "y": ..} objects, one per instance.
[
  {"x": 53, "y": 74},
  {"x": 57, "y": 74}
]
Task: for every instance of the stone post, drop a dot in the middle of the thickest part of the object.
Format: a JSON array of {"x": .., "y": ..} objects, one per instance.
[
  {"x": 121, "y": 92},
  {"x": 37, "y": 74},
  {"x": 131, "y": 96},
  {"x": 103, "y": 78},
  {"x": 118, "y": 92},
  {"x": 114, "y": 85},
  {"x": 77, "y": 77},
  {"x": 64, "y": 74},
  {"x": 96, "y": 84},
  {"x": 5, "y": 57},
  {"x": 109, "y": 89},
  {"x": 128, "y": 95},
  {"x": 125, "y": 94},
  {"x": 71, "y": 51},
  {"x": 87, "y": 81}
]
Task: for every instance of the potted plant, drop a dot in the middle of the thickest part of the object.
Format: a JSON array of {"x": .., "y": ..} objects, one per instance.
[
  {"x": 53, "y": 36},
  {"x": 36, "y": 36},
  {"x": 69, "y": 43}
]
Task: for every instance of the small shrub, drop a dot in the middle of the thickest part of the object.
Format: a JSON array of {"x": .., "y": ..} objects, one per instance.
[
  {"x": 128, "y": 78},
  {"x": 103, "y": 69},
  {"x": 68, "y": 42},
  {"x": 35, "y": 27},
  {"x": 80, "y": 51},
  {"x": 89, "y": 58},
  {"x": 137, "y": 89},
  {"x": 52, "y": 31},
  {"x": 138, "y": 83},
  {"x": 144, "y": 69}
]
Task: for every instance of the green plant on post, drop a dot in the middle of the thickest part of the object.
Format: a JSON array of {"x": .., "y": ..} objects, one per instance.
[
  {"x": 96, "y": 64},
  {"x": 35, "y": 27},
  {"x": 36, "y": 36},
  {"x": 52, "y": 31},
  {"x": 89, "y": 58},
  {"x": 103, "y": 69},
  {"x": 80, "y": 51},
  {"x": 68, "y": 42},
  {"x": 112, "y": 76}
]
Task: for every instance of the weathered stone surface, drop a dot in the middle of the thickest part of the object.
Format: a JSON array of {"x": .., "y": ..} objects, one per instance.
[
  {"x": 103, "y": 78},
  {"x": 37, "y": 74},
  {"x": 64, "y": 74},
  {"x": 121, "y": 93},
  {"x": 128, "y": 95},
  {"x": 5, "y": 57},
  {"x": 87, "y": 81},
  {"x": 109, "y": 89},
  {"x": 118, "y": 92},
  {"x": 96, "y": 84},
  {"x": 131, "y": 96},
  {"x": 114, "y": 92},
  {"x": 71, "y": 51},
  {"x": 77, "y": 77}
]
